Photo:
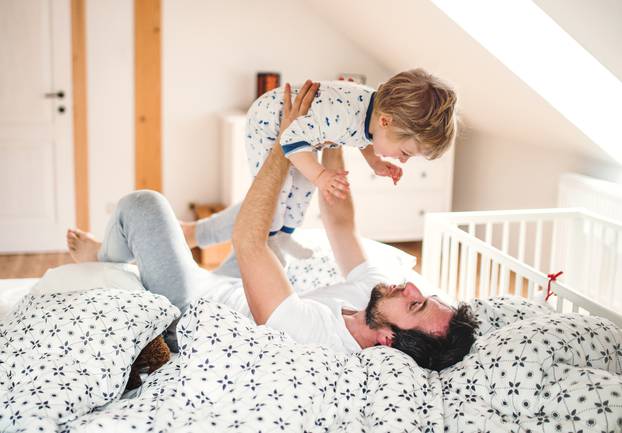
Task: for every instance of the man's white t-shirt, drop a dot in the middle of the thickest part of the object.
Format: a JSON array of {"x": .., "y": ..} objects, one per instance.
[{"x": 313, "y": 317}]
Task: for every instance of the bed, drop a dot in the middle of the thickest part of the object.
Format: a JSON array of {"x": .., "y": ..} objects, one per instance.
[{"x": 531, "y": 369}]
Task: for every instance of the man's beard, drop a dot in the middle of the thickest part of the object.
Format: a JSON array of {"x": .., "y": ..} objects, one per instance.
[{"x": 373, "y": 317}]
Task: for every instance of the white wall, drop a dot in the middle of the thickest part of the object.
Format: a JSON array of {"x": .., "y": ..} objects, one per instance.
[
  {"x": 594, "y": 24},
  {"x": 211, "y": 51},
  {"x": 493, "y": 173},
  {"x": 110, "y": 94}
]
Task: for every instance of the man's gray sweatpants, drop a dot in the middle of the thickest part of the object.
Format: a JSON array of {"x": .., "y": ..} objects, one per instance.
[{"x": 144, "y": 229}]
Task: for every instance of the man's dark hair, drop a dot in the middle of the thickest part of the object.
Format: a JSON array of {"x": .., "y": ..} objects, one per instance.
[{"x": 434, "y": 352}]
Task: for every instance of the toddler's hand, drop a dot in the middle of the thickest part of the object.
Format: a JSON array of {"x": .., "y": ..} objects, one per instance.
[
  {"x": 385, "y": 168},
  {"x": 333, "y": 184}
]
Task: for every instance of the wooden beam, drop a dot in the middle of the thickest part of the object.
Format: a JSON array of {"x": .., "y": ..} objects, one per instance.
[
  {"x": 148, "y": 85},
  {"x": 80, "y": 135}
]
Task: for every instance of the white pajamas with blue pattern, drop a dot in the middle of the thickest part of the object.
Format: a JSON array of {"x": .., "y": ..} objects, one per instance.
[{"x": 339, "y": 116}]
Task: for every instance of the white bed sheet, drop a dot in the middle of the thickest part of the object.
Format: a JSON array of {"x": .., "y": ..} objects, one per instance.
[{"x": 12, "y": 290}]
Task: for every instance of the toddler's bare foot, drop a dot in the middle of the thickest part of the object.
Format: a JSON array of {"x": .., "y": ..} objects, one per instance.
[
  {"x": 285, "y": 244},
  {"x": 273, "y": 243},
  {"x": 189, "y": 230},
  {"x": 83, "y": 246}
]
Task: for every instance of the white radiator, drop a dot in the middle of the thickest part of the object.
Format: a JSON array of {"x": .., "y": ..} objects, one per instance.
[{"x": 598, "y": 196}]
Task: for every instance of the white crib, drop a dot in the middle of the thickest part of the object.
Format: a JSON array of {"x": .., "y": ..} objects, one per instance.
[{"x": 494, "y": 253}]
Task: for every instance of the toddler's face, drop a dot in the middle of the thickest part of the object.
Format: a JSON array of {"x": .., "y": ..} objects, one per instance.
[{"x": 387, "y": 144}]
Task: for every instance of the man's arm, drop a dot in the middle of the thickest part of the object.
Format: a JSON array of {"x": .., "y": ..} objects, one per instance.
[
  {"x": 265, "y": 283},
  {"x": 338, "y": 219}
]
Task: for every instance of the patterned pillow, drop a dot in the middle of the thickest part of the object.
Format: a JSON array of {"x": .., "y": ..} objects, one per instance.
[
  {"x": 63, "y": 354},
  {"x": 495, "y": 313},
  {"x": 540, "y": 373}
]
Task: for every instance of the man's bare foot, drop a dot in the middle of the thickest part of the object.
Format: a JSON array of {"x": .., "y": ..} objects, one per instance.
[
  {"x": 189, "y": 230},
  {"x": 83, "y": 246}
]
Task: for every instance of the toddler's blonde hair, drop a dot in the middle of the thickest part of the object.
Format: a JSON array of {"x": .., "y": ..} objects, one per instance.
[{"x": 422, "y": 107}]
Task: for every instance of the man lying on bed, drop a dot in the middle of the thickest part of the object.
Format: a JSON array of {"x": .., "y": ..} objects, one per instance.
[{"x": 359, "y": 313}]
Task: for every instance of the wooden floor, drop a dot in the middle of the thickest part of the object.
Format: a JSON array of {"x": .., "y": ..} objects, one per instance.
[
  {"x": 30, "y": 265},
  {"x": 35, "y": 265},
  {"x": 412, "y": 248}
]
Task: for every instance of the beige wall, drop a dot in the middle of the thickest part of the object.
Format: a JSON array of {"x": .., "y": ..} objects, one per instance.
[
  {"x": 211, "y": 51},
  {"x": 493, "y": 173},
  {"x": 110, "y": 89}
]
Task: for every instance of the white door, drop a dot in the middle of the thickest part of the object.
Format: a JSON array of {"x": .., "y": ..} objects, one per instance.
[{"x": 36, "y": 158}]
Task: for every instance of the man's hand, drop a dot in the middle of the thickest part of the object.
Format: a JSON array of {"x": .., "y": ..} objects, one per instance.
[
  {"x": 338, "y": 219},
  {"x": 301, "y": 105},
  {"x": 333, "y": 184},
  {"x": 385, "y": 168}
]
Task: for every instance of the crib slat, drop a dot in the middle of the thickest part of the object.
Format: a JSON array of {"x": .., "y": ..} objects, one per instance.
[
  {"x": 453, "y": 268},
  {"x": 613, "y": 259},
  {"x": 484, "y": 277},
  {"x": 530, "y": 290},
  {"x": 445, "y": 262},
  {"x": 518, "y": 281},
  {"x": 553, "y": 258},
  {"x": 471, "y": 274},
  {"x": 598, "y": 267},
  {"x": 560, "y": 304},
  {"x": 537, "y": 255},
  {"x": 505, "y": 240},
  {"x": 587, "y": 275},
  {"x": 488, "y": 234},
  {"x": 494, "y": 279},
  {"x": 463, "y": 265}
]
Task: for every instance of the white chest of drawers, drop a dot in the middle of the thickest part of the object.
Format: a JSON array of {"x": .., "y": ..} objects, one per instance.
[{"x": 384, "y": 212}]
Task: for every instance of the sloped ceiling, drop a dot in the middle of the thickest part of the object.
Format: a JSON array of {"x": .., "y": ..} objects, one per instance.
[
  {"x": 596, "y": 25},
  {"x": 403, "y": 34}
]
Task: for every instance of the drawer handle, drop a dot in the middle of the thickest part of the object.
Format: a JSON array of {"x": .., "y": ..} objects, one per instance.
[
  {"x": 421, "y": 212},
  {"x": 424, "y": 175}
]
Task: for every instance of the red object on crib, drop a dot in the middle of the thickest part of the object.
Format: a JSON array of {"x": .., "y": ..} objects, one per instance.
[{"x": 552, "y": 277}]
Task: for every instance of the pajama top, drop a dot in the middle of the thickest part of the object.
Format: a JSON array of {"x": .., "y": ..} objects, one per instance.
[{"x": 339, "y": 116}]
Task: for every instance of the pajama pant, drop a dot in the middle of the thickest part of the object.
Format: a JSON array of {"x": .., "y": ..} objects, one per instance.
[
  {"x": 297, "y": 190},
  {"x": 144, "y": 229}
]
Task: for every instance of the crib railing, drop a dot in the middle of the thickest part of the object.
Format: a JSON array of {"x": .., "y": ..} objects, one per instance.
[{"x": 481, "y": 254}]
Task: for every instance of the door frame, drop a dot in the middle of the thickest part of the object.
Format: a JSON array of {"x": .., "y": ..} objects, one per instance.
[{"x": 80, "y": 125}]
